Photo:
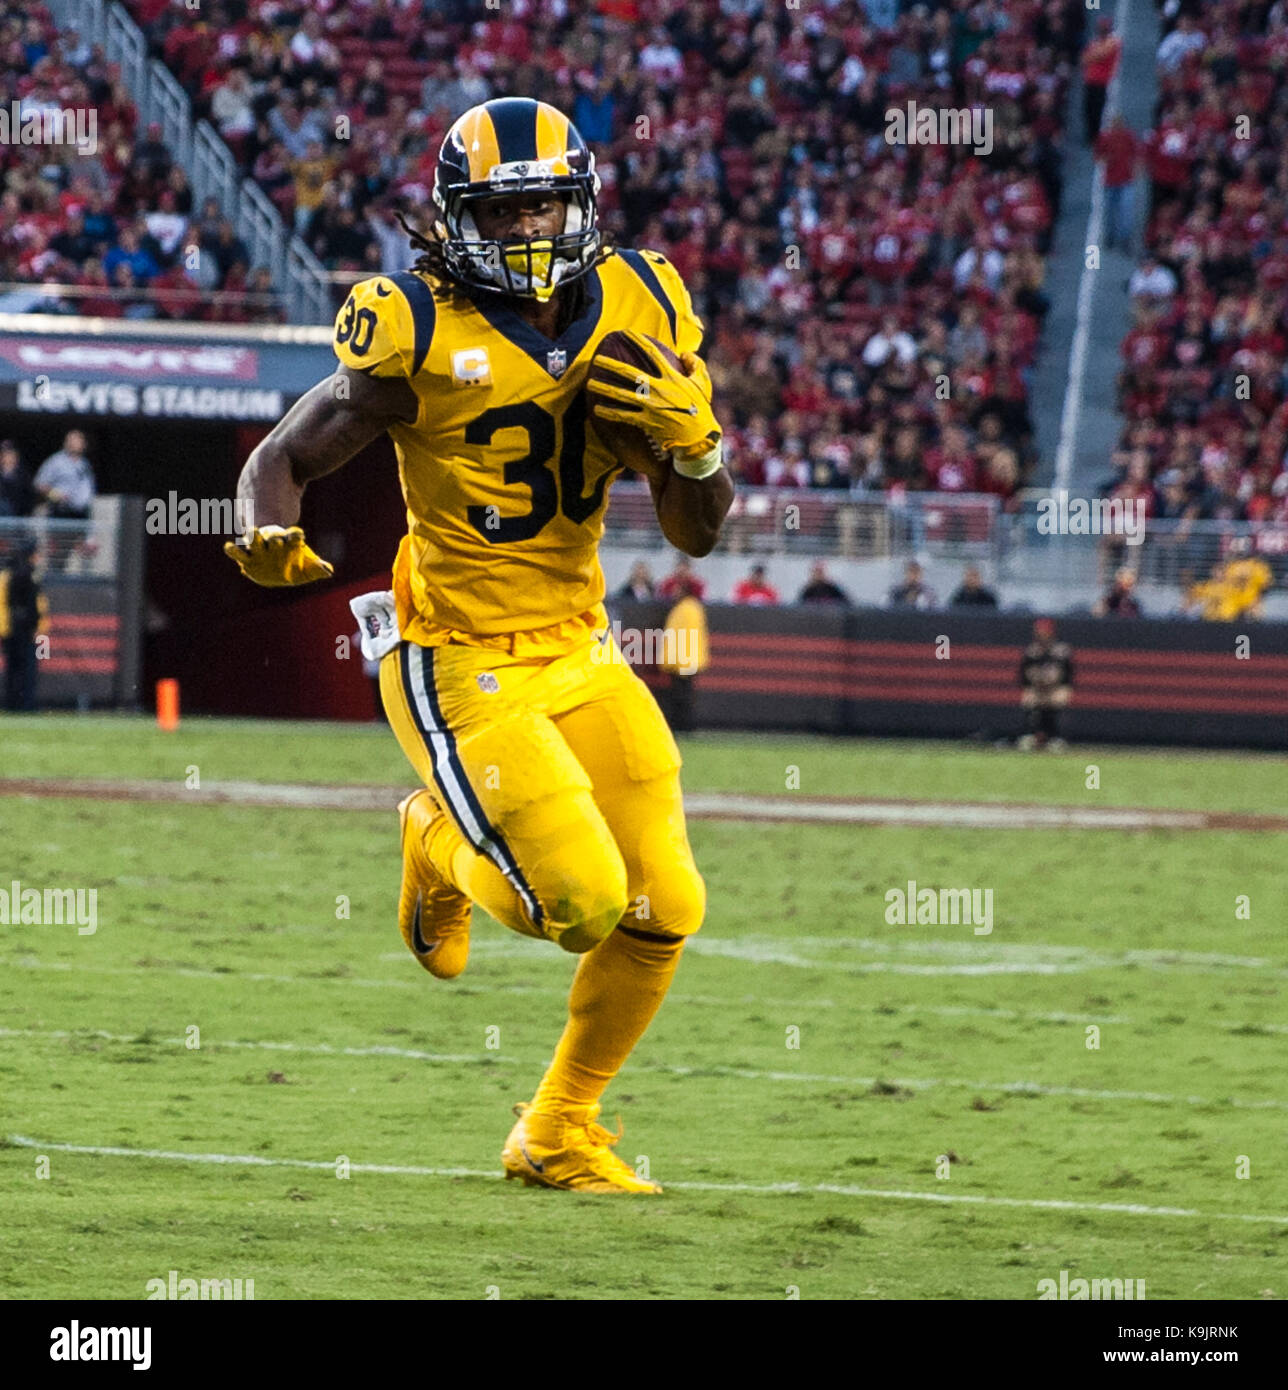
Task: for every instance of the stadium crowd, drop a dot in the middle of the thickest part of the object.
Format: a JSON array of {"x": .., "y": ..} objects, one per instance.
[
  {"x": 874, "y": 309},
  {"x": 1204, "y": 379},
  {"x": 756, "y": 590},
  {"x": 109, "y": 229}
]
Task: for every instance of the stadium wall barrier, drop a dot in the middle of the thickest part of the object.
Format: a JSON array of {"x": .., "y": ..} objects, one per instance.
[
  {"x": 956, "y": 674},
  {"x": 279, "y": 654},
  {"x": 95, "y": 621}
]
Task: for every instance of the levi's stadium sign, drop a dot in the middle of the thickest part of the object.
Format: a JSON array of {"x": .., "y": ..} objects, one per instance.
[
  {"x": 163, "y": 402},
  {"x": 149, "y": 373}
]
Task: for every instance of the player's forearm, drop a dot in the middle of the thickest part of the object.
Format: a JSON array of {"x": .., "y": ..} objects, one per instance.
[
  {"x": 267, "y": 487},
  {"x": 321, "y": 432},
  {"x": 303, "y": 445},
  {"x": 690, "y": 512}
]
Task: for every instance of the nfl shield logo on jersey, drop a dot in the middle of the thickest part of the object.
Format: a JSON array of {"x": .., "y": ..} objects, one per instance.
[
  {"x": 487, "y": 682},
  {"x": 556, "y": 362}
]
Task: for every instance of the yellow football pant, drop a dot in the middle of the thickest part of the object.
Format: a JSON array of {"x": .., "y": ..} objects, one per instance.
[{"x": 565, "y": 820}]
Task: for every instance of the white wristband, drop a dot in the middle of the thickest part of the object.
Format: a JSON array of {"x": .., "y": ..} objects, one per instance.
[{"x": 701, "y": 467}]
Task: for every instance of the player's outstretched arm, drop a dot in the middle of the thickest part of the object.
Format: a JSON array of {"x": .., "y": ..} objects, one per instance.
[
  {"x": 690, "y": 511},
  {"x": 321, "y": 432}
]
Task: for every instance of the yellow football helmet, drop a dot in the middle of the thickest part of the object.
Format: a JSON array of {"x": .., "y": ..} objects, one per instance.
[{"x": 516, "y": 145}]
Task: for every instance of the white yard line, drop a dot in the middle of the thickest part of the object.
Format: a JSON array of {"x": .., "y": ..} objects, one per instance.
[
  {"x": 963, "y": 815},
  {"x": 979, "y": 957},
  {"x": 215, "y": 1044},
  {"x": 915, "y": 1083},
  {"x": 746, "y": 952},
  {"x": 731, "y": 806},
  {"x": 765, "y": 1189},
  {"x": 975, "y": 947}
]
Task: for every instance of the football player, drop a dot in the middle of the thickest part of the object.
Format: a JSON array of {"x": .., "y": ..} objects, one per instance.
[{"x": 551, "y": 782}]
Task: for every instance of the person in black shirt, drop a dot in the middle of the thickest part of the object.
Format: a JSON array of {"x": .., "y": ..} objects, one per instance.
[
  {"x": 639, "y": 583},
  {"x": 22, "y": 610},
  {"x": 820, "y": 588},
  {"x": 1121, "y": 600},
  {"x": 914, "y": 592},
  {"x": 73, "y": 243},
  {"x": 971, "y": 593},
  {"x": 1046, "y": 681},
  {"x": 17, "y": 497}
]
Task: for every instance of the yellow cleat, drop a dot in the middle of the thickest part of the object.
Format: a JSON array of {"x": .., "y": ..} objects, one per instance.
[
  {"x": 549, "y": 1151},
  {"x": 434, "y": 917}
]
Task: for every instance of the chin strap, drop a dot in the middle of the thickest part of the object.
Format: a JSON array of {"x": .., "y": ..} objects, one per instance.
[{"x": 701, "y": 467}]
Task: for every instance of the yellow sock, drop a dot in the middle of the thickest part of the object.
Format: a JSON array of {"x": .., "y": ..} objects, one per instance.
[{"x": 615, "y": 993}]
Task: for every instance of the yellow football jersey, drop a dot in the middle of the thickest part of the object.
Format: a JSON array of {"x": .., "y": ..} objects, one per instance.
[
  {"x": 1236, "y": 590},
  {"x": 1249, "y": 577},
  {"x": 504, "y": 476},
  {"x": 1217, "y": 602}
]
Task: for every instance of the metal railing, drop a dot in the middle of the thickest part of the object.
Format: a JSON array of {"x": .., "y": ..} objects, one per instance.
[
  {"x": 849, "y": 525},
  {"x": 212, "y": 168},
  {"x": 967, "y": 527},
  {"x": 171, "y": 109},
  {"x": 197, "y": 147},
  {"x": 1169, "y": 553},
  {"x": 71, "y": 549},
  {"x": 123, "y": 42},
  {"x": 47, "y": 297}
]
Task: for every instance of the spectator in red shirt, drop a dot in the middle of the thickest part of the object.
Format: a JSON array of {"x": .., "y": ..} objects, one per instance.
[
  {"x": 755, "y": 589},
  {"x": 1119, "y": 151},
  {"x": 681, "y": 582},
  {"x": 1170, "y": 155},
  {"x": 1099, "y": 63},
  {"x": 951, "y": 464}
]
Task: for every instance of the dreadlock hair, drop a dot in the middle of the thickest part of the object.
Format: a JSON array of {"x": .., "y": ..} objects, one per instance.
[{"x": 433, "y": 263}]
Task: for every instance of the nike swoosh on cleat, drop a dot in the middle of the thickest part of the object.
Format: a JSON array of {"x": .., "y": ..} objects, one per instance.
[
  {"x": 536, "y": 1167},
  {"x": 418, "y": 942}
]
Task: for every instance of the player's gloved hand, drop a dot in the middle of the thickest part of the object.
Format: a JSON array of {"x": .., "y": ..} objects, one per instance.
[
  {"x": 277, "y": 556},
  {"x": 673, "y": 408}
]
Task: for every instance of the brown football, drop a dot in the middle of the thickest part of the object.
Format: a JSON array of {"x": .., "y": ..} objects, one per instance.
[{"x": 630, "y": 446}]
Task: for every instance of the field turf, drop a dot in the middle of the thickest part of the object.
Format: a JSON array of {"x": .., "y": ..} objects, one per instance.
[{"x": 942, "y": 1129}]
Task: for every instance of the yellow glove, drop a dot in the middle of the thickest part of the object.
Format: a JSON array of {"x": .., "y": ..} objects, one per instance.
[
  {"x": 672, "y": 407},
  {"x": 277, "y": 556}
]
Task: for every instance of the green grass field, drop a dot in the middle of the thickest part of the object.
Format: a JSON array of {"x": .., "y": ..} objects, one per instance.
[{"x": 320, "y": 1037}]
